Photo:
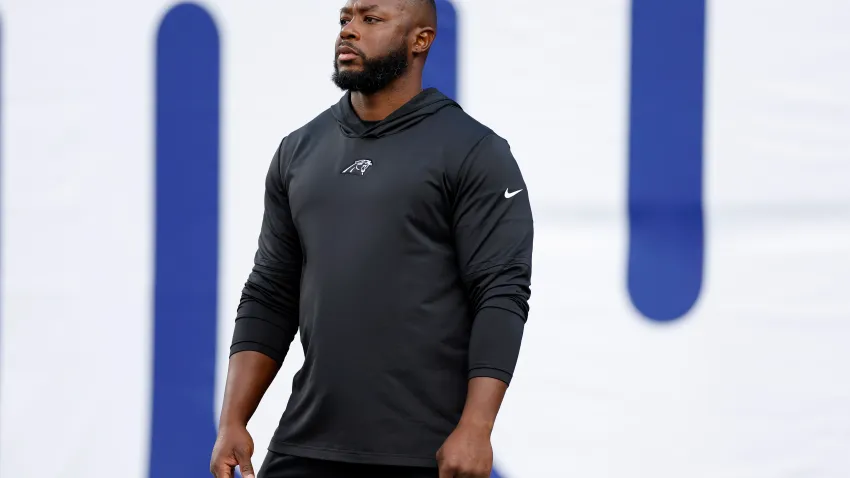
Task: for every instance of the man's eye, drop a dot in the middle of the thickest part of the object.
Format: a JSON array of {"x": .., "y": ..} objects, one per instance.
[
  {"x": 371, "y": 20},
  {"x": 343, "y": 21}
]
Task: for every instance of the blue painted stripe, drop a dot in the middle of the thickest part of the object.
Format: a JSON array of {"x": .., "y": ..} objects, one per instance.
[
  {"x": 441, "y": 69},
  {"x": 666, "y": 157},
  {"x": 187, "y": 211}
]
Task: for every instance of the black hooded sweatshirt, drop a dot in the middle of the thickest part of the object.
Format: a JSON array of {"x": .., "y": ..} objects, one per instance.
[{"x": 401, "y": 249}]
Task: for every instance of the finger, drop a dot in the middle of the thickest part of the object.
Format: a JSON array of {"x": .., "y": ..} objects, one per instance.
[
  {"x": 247, "y": 471},
  {"x": 470, "y": 474},
  {"x": 222, "y": 472},
  {"x": 473, "y": 474},
  {"x": 445, "y": 472},
  {"x": 244, "y": 460}
]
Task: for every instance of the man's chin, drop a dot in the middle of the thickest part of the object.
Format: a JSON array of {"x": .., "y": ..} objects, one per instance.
[{"x": 349, "y": 65}]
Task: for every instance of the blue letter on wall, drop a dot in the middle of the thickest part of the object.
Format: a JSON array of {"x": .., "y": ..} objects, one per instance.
[
  {"x": 186, "y": 275},
  {"x": 665, "y": 157}
]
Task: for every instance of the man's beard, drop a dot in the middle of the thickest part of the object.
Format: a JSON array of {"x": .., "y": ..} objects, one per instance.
[{"x": 375, "y": 73}]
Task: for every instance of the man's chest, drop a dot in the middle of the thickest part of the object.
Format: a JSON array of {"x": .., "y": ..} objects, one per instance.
[{"x": 389, "y": 181}]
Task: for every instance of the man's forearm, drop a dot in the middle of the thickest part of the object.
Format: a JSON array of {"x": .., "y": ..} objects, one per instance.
[
  {"x": 249, "y": 375},
  {"x": 483, "y": 400},
  {"x": 493, "y": 351}
]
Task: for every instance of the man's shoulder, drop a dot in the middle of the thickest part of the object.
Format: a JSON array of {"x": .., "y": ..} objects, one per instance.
[
  {"x": 467, "y": 133},
  {"x": 295, "y": 140},
  {"x": 458, "y": 122},
  {"x": 318, "y": 125}
]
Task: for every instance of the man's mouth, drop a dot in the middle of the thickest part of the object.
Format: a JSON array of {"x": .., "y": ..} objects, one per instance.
[{"x": 345, "y": 53}]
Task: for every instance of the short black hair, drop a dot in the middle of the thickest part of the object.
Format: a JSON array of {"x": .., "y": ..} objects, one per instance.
[{"x": 432, "y": 8}]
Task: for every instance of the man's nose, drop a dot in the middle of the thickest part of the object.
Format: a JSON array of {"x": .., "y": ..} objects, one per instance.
[{"x": 348, "y": 32}]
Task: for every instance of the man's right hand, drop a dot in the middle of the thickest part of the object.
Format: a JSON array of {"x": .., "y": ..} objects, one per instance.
[{"x": 233, "y": 447}]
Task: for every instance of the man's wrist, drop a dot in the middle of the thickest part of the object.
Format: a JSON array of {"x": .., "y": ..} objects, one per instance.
[
  {"x": 478, "y": 418},
  {"x": 476, "y": 423},
  {"x": 483, "y": 399},
  {"x": 232, "y": 423}
]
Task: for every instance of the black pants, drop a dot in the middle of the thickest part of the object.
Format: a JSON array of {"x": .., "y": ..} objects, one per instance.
[{"x": 286, "y": 466}]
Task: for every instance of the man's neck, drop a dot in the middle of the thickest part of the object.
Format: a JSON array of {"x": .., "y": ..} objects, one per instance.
[{"x": 378, "y": 106}]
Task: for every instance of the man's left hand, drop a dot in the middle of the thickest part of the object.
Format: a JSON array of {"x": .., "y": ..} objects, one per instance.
[{"x": 466, "y": 453}]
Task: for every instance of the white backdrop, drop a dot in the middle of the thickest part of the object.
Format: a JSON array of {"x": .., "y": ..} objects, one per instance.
[{"x": 753, "y": 382}]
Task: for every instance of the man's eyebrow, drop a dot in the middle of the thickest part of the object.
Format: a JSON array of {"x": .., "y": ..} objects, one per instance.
[{"x": 361, "y": 9}]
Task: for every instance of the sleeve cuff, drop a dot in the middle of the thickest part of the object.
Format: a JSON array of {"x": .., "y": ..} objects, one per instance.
[
  {"x": 260, "y": 335},
  {"x": 491, "y": 373},
  {"x": 255, "y": 347}
]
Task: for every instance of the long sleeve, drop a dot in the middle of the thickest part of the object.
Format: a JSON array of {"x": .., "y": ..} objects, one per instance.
[
  {"x": 267, "y": 316},
  {"x": 494, "y": 231}
]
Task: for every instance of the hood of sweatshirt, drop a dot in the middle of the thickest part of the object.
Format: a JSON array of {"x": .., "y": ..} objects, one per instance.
[{"x": 421, "y": 106}]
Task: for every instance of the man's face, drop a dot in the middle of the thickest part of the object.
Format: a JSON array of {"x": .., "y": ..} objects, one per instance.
[{"x": 371, "y": 50}]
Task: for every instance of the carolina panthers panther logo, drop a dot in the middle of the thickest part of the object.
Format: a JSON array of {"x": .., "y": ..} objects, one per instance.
[{"x": 359, "y": 167}]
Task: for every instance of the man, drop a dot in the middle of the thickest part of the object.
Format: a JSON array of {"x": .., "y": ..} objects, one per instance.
[{"x": 397, "y": 236}]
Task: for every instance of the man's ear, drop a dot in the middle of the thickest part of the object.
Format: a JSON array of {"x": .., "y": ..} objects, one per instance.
[{"x": 423, "y": 40}]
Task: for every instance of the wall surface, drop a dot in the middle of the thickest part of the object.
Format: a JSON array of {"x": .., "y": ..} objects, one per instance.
[{"x": 688, "y": 165}]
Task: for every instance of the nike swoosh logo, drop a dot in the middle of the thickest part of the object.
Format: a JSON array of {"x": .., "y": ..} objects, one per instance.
[{"x": 509, "y": 195}]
